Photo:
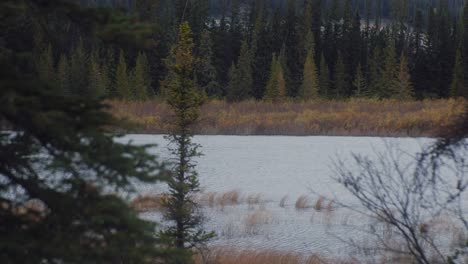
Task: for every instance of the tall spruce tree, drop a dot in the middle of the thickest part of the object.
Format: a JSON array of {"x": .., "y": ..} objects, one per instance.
[
  {"x": 205, "y": 71},
  {"x": 141, "y": 79},
  {"x": 359, "y": 83},
  {"x": 457, "y": 87},
  {"x": 240, "y": 88},
  {"x": 185, "y": 231},
  {"x": 276, "y": 86},
  {"x": 122, "y": 80},
  {"x": 389, "y": 74},
  {"x": 63, "y": 75},
  {"x": 404, "y": 86},
  {"x": 324, "y": 77},
  {"x": 310, "y": 81},
  {"x": 340, "y": 78},
  {"x": 96, "y": 79}
]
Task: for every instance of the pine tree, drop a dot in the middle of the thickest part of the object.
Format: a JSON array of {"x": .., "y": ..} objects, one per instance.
[
  {"x": 79, "y": 70},
  {"x": 404, "y": 87},
  {"x": 457, "y": 88},
  {"x": 340, "y": 78},
  {"x": 141, "y": 78},
  {"x": 375, "y": 69},
  {"x": 122, "y": 82},
  {"x": 63, "y": 75},
  {"x": 241, "y": 87},
  {"x": 185, "y": 100},
  {"x": 45, "y": 65},
  {"x": 276, "y": 86},
  {"x": 310, "y": 84},
  {"x": 205, "y": 71},
  {"x": 324, "y": 78},
  {"x": 389, "y": 75},
  {"x": 359, "y": 83},
  {"x": 96, "y": 79}
]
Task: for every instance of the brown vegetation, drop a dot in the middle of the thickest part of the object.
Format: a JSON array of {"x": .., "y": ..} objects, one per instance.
[
  {"x": 356, "y": 117},
  {"x": 232, "y": 256},
  {"x": 149, "y": 202}
]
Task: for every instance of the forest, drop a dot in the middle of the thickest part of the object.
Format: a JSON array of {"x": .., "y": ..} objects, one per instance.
[{"x": 270, "y": 50}]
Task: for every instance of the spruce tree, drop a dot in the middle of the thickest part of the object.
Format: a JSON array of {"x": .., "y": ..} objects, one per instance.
[
  {"x": 310, "y": 84},
  {"x": 457, "y": 88},
  {"x": 241, "y": 87},
  {"x": 324, "y": 77},
  {"x": 141, "y": 80},
  {"x": 79, "y": 70},
  {"x": 205, "y": 71},
  {"x": 340, "y": 78},
  {"x": 404, "y": 86},
  {"x": 45, "y": 65},
  {"x": 185, "y": 231},
  {"x": 276, "y": 86},
  {"x": 389, "y": 75},
  {"x": 63, "y": 75},
  {"x": 359, "y": 83},
  {"x": 122, "y": 82},
  {"x": 96, "y": 79}
]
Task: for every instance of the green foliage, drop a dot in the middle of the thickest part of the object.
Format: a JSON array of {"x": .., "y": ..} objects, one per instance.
[
  {"x": 404, "y": 86},
  {"x": 97, "y": 79},
  {"x": 310, "y": 84},
  {"x": 241, "y": 84},
  {"x": 62, "y": 172},
  {"x": 324, "y": 78},
  {"x": 185, "y": 231},
  {"x": 458, "y": 87},
  {"x": 359, "y": 83},
  {"x": 276, "y": 87},
  {"x": 389, "y": 74},
  {"x": 340, "y": 78},
  {"x": 122, "y": 82},
  {"x": 205, "y": 71},
  {"x": 141, "y": 79}
]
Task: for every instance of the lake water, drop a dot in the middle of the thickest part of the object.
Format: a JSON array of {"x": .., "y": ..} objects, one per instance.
[{"x": 275, "y": 169}]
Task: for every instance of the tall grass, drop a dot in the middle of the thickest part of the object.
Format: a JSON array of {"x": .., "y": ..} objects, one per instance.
[{"x": 356, "y": 117}]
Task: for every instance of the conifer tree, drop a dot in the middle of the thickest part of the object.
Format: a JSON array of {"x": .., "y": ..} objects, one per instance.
[
  {"x": 359, "y": 82},
  {"x": 324, "y": 77},
  {"x": 45, "y": 65},
  {"x": 276, "y": 86},
  {"x": 185, "y": 231},
  {"x": 63, "y": 75},
  {"x": 404, "y": 87},
  {"x": 240, "y": 88},
  {"x": 96, "y": 80},
  {"x": 375, "y": 69},
  {"x": 205, "y": 71},
  {"x": 79, "y": 69},
  {"x": 141, "y": 79},
  {"x": 340, "y": 78},
  {"x": 310, "y": 84},
  {"x": 122, "y": 82},
  {"x": 389, "y": 75},
  {"x": 457, "y": 88}
]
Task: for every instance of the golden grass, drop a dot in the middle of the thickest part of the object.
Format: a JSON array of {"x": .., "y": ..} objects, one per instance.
[
  {"x": 232, "y": 256},
  {"x": 302, "y": 202},
  {"x": 355, "y": 117},
  {"x": 147, "y": 203}
]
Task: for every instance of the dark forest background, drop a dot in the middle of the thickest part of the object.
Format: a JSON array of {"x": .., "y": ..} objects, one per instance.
[{"x": 270, "y": 49}]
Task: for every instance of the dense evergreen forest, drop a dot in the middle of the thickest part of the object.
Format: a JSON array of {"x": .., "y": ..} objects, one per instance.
[{"x": 270, "y": 49}]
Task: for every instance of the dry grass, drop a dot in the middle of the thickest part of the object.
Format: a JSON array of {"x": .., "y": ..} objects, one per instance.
[
  {"x": 319, "y": 203},
  {"x": 302, "y": 202},
  {"x": 147, "y": 203},
  {"x": 232, "y": 256},
  {"x": 356, "y": 117}
]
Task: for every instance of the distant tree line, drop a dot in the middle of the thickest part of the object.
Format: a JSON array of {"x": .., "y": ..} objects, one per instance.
[{"x": 273, "y": 50}]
